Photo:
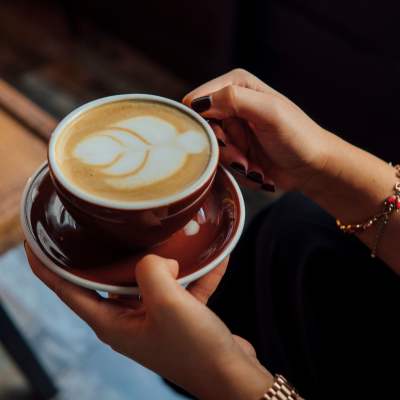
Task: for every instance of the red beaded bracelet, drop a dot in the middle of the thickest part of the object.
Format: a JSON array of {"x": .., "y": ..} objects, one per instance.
[{"x": 390, "y": 205}]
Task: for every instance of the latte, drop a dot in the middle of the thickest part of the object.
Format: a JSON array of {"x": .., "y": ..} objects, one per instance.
[{"x": 133, "y": 150}]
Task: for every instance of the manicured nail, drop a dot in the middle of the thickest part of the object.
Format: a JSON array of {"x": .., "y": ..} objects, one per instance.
[
  {"x": 268, "y": 187},
  {"x": 255, "y": 177},
  {"x": 221, "y": 142},
  {"x": 239, "y": 168},
  {"x": 201, "y": 104}
]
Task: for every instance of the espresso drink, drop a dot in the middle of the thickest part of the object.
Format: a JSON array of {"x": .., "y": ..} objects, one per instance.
[{"x": 133, "y": 150}]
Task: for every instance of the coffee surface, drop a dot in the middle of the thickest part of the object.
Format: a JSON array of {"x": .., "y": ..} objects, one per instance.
[{"x": 133, "y": 150}]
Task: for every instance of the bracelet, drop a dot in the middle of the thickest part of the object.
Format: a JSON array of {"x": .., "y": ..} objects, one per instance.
[
  {"x": 280, "y": 390},
  {"x": 390, "y": 206}
]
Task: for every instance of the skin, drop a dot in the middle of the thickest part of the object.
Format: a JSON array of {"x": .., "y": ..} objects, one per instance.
[
  {"x": 173, "y": 332},
  {"x": 274, "y": 134}
]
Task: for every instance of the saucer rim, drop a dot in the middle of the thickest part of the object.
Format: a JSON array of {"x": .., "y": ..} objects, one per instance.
[{"x": 125, "y": 290}]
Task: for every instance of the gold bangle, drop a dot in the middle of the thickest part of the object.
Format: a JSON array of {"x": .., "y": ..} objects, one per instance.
[{"x": 390, "y": 206}]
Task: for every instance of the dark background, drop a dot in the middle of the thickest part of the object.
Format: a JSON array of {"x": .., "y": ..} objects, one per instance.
[{"x": 339, "y": 60}]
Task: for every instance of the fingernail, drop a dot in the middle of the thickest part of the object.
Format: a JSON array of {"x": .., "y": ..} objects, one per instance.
[
  {"x": 255, "y": 177},
  {"x": 268, "y": 187},
  {"x": 221, "y": 142},
  {"x": 201, "y": 104},
  {"x": 239, "y": 168}
]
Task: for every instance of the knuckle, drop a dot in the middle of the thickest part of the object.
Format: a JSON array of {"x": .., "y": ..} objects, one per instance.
[
  {"x": 276, "y": 105},
  {"x": 151, "y": 259},
  {"x": 148, "y": 259},
  {"x": 240, "y": 73},
  {"x": 173, "y": 263},
  {"x": 231, "y": 94}
]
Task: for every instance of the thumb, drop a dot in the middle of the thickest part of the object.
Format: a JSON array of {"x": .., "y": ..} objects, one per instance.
[
  {"x": 237, "y": 101},
  {"x": 156, "y": 277}
]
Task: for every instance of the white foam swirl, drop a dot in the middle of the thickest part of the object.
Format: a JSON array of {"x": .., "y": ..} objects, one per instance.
[{"x": 139, "y": 151}]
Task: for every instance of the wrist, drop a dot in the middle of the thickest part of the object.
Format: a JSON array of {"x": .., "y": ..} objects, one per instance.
[
  {"x": 325, "y": 167},
  {"x": 350, "y": 183},
  {"x": 237, "y": 378}
]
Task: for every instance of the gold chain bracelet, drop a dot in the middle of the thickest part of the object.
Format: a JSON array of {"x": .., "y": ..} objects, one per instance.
[{"x": 391, "y": 205}]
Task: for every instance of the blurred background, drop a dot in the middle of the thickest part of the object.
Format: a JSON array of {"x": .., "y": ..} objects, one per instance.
[{"x": 338, "y": 60}]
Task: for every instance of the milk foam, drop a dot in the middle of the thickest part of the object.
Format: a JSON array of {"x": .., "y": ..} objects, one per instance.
[
  {"x": 139, "y": 151},
  {"x": 133, "y": 151}
]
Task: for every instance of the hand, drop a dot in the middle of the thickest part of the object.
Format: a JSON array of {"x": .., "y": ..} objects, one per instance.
[
  {"x": 266, "y": 136},
  {"x": 172, "y": 333}
]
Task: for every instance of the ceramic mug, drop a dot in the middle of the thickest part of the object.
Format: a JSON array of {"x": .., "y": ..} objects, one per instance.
[{"x": 137, "y": 224}]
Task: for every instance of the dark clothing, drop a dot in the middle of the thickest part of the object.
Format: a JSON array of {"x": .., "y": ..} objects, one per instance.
[{"x": 315, "y": 305}]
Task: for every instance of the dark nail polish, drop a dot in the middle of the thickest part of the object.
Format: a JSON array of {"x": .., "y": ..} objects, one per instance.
[
  {"x": 255, "y": 177},
  {"x": 239, "y": 168},
  {"x": 268, "y": 187},
  {"x": 201, "y": 104},
  {"x": 221, "y": 142}
]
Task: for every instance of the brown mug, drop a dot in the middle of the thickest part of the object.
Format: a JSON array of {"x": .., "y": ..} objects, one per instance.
[{"x": 137, "y": 224}]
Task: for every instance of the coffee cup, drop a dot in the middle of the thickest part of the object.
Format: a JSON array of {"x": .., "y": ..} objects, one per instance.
[{"x": 133, "y": 167}]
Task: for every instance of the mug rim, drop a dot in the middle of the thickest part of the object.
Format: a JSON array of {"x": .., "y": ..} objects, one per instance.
[
  {"x": 127, "y": 290},
  {"x": 133, "y": 205}
]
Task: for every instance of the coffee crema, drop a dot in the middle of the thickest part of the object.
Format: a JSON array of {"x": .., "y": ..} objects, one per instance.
[{"x": 133, "y": 150}]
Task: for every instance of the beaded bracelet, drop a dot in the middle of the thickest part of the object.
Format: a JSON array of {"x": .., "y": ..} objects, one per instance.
[{"x": 391, "y": 205}]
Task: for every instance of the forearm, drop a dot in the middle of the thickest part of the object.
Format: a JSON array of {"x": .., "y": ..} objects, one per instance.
[{"x": 352, "y": 186}]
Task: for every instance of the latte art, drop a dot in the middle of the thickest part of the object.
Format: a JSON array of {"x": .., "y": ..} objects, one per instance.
[
  {"x": 139, "y": 151},
  {"x": 155, "y": 151}
]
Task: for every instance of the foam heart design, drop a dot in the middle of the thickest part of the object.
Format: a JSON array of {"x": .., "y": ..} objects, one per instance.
[{"x": 139, "y": 151}]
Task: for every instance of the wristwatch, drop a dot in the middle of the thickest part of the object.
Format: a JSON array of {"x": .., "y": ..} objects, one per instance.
[{"x": 281, "y": 390}]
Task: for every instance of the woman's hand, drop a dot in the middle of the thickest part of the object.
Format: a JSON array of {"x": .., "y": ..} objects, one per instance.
[
  {"x": 266, "y": 136},
  {"x": 172, "y": 332},
  {"x": 269, "y": 137}
]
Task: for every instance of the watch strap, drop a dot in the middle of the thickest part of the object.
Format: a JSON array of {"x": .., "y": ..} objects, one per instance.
[{"x": 280, "y": 390}]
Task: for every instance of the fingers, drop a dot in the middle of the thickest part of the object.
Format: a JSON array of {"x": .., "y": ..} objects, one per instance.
[
  {"x": 238, "y": 77},
  {"x": 156, "y": 277},
  {"x": 245, "y": 164},
  {"x": 238, "y": 133},
  {"x": 204, "y": 287},
  {"x": 219, "y": 133},
  {"x": 236, "y": 101},
  {"x": 232, "y": 157},
  {"x": 131, "y": 301},
  {"x": 86, "y": 303},
  {"x": 242, "y": 108},
  {"x": 255, "y": 173}
]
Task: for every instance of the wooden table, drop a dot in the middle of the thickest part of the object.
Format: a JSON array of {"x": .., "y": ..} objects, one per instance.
[{"x": 23, "y": 130}]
